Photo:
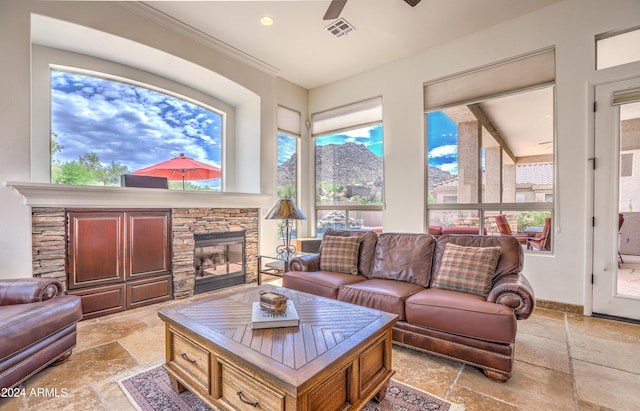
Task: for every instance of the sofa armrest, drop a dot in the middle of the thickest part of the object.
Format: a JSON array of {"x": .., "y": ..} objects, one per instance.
[
  {"x": 310, "y": 262},
  {"x": 28, "y": 290},
  {"x": 515, "y": 291}
]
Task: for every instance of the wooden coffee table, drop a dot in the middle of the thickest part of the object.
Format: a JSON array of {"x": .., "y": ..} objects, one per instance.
[{"x": 339, "y": 356}]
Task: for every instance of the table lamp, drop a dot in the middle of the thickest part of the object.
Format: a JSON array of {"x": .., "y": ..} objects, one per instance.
[{"x": 286, "y": 210}]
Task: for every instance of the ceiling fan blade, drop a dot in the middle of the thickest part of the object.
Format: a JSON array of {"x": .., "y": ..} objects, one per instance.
[
  {"x": 334, "y": 10},
  {"x": 412, "y": 3}
]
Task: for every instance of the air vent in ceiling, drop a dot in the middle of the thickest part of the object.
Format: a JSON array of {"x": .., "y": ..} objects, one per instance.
[{"x": 340, "y": 28}]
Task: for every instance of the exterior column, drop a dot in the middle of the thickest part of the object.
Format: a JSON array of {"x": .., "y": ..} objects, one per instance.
[
  {"x": 493, "y": 174},
  {"x": 509, "y": 183},
  {"x": 468, "y": 161}
]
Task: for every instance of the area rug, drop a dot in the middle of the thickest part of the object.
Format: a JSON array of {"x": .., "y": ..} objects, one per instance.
[{"x": 151, "y": 391}]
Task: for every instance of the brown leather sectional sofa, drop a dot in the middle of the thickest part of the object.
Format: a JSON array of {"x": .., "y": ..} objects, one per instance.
[
  {"x": 37, "y": 327},
  {"x": 396, "y": 273}
]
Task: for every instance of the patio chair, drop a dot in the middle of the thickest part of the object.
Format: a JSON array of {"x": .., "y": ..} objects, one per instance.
[
  {"x": 544, "y": 241},
  {"x": 505, "y": 229}
]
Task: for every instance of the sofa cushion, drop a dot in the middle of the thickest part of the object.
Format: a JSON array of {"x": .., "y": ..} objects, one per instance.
[
  {"x": 322, "y": 283},
  {"x": 461, "y": 313},
  {"x": 511, "y": 255},
  {"x": 367, "y": 246},
  {"x": 340, "y": 254},
  {"x": 383, "y": 295},
  {"x": 467, "y": 269},
  {"x": 404, "y": 257}
]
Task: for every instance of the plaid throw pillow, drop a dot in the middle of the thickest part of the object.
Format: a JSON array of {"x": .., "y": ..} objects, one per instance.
[
  {"x": 467, "y": 269},
  {"x": 340, "y": 254}
]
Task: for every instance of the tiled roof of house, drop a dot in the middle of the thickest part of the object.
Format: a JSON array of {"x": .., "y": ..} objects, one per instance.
[
  {"x": 537, "y": 174},
  {"x": 452, "y": 182},
  {"x": 534, "y": 173}
]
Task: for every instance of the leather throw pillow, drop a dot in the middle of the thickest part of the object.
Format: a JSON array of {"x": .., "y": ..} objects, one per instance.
[
  {"x": 467, "y": 269},
  {"x": 340, "y": 254}
]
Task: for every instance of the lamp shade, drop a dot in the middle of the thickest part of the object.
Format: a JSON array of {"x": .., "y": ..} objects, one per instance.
[{"x": 285, "y": 209}]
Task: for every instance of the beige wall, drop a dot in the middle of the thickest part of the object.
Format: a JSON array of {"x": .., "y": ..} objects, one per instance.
[{"x": 570, "y": 27}]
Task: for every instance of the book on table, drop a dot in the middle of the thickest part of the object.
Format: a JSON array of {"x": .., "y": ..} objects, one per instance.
[{"x": 265, "y": 319}]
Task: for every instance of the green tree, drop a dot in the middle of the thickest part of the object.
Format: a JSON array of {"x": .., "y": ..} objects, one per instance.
[
  {"x": 55, "y": 146},
  {"x": 73, "y": 173},
  {"x": 91, "y": 162},
  {"x": 288, "y": 191},
  {"x": 528, "y": 219},
  {"x": 112, "y": 173}
]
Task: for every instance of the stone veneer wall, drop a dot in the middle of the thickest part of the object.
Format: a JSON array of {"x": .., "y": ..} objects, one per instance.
[{"x": 48, "y": 241}]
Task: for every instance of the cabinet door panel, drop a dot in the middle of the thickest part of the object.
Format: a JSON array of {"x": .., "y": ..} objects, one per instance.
[
  {"x": 148, "y": 291},
  {"x": 99, "y": 301},
  {"x": 95, "y": 249},
  {"x": 148, "y": 248}
]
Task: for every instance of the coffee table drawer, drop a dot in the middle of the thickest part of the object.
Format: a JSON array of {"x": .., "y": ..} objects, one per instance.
[
  {"x": 190, "y": 358},
  {"x": 243, "y": 392}
]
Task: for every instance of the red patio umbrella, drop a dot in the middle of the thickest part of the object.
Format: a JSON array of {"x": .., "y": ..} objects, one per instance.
[{"x": 180, "y": 168}]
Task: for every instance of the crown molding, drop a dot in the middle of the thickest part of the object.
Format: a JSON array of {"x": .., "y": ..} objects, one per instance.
[{"x": 156, "y": 16}]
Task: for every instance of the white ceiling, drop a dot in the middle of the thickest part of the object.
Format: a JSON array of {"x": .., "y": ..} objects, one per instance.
[{"x": 302, "y": 52}]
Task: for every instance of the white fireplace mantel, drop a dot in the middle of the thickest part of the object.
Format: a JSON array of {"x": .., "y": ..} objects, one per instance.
[{"x": 61, "y": 195}]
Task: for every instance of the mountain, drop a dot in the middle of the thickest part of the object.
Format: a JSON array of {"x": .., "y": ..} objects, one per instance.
[
  {"x": 287, "y": 172},
  {"x": 437, "y": 175},
  {"x": 349, "y": 164}
]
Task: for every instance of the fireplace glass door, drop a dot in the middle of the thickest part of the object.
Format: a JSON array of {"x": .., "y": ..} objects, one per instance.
[{"x": 219, "y": 260}]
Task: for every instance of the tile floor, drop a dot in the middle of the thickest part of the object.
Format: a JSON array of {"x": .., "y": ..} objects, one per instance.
[
  {"x": 563, "y": 362},
  {"x": 629, "y": 275}
]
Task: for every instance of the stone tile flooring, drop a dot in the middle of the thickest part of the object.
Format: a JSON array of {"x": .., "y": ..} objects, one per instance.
[
  {"x": 563, "y": 362},
  {"x": 629, "y": 275}
]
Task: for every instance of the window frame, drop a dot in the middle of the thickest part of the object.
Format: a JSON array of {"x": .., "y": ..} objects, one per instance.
[
  {"x": 481, "y": 207},
  {"x": 289, "y": 123},
  {"x": 45, "y": 59},
  {"x": 369, "y": 120}
]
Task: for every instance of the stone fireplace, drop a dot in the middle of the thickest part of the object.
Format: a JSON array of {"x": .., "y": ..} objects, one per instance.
[
  {"x": 49, "y": 243},
  {"x": 187, "y": 223}
]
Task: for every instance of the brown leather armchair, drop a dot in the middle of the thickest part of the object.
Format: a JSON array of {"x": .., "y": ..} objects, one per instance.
[{"x": 37, "y": 327}]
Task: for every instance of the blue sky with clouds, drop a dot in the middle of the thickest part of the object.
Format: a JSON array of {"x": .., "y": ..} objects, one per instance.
[
  {"x": 371, "y": 137},
  {"x": 286, "y": 147},
  {"x": 442, "y": 142},
  {"x": 130, "y": 125}
]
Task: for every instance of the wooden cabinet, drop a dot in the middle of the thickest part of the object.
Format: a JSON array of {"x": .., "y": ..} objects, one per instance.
[{"x": 118, "y": 259}]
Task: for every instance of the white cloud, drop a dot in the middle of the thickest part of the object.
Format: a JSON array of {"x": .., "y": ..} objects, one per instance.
[
  {"x": 443, "y": 151},
  {"x": 450, "y": 167}
]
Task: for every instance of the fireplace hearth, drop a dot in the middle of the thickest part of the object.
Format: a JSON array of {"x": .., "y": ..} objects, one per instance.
[{"x": 219, "y": 260}]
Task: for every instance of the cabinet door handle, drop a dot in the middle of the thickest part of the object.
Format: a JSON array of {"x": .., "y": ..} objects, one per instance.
[
  {"x": 186, "y": 357},
  {"x": 255, "y": 404}
]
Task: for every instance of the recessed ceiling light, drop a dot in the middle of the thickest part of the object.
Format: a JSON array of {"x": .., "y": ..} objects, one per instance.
[{"x": 266, "y": 20}]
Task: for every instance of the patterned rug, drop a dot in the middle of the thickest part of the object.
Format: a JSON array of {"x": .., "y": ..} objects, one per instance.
[{"x": 151, "y": 390}]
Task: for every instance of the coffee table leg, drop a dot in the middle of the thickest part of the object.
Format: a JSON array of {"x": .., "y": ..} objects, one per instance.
[
  {"x": 259, "y": 270},
  {"x": 382, "y": 393},
  {"x": 176, "y": 385}
]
